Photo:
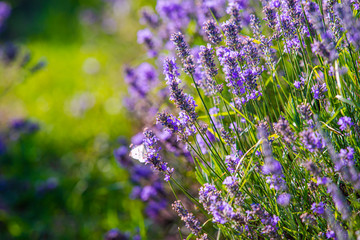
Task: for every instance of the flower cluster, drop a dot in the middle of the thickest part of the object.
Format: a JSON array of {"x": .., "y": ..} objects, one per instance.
[
  {"x": 182, "y": 100},
  {"x": 212, "y": 201},
  {"x": 153, "y": 154},
  {"x": 273, "y": 124},
  {"x": 312, "y": 140},
  {"x": 146, "y": 185},
  {"x": 190, "y": 221}
]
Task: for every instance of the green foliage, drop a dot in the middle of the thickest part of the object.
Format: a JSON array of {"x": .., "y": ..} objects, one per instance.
[{"x": 74, "y": 146}]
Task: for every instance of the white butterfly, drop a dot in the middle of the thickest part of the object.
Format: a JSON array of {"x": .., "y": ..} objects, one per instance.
[{"x": 139, "y": 153}]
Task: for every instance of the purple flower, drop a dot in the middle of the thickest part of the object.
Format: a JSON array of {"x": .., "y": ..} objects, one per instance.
[
  {"x": 270, "y": 16},
  {"x": 191, "y": 222},
  {"x": 173, "y": 13},
  {"x": 312, "y": 140},
  {"x": 355, "y": 4},
  {"x": 230, "y": 181},
  {"x": 347, "y": 153},
  {"x": 137, "y": 139},
  {"x": 149, "y": 18},
  {"x": 146, "y": 37},
  {"x": 222, "y": 212},
  {"x": 154, "y": 208},
  {"x": 268, "y": 221},
  {"x": 203, "y": 237},
  {"x": 318, "y": 90},
  {"x": 208, "y": 9},
  {"x": 339, "y": 201},
  {"x": 345, "y": 123},
  {"x": 135, "y": 192},
  {"x": 322, "y": 180},
  {"x": 24, "y": 126},
  {"x": 305, "y": 111},
  {"x": 183, "y": 52},
  {"x": 182, "y": 100},
  {"x": 212, "y": 32},
  {"x": 233, "y": 126},
  {"x": 121, "y": 155},
  {"x": 189, "y": 65},
  {"x": 321, "y": 49},
  {"x": 231, "y": 162},
  {"x": 301, "y": 83},
  {"x": 236, "y": 11},
  {"x": 276, "y": 182},
  {"x": 284, "y": 199},
  {"x": 330, "y": 234},
  {"x": 141, "y": 80},
  {"x": 249, "y": 77},
  {"x": 153, "y": 155},
  {"x": 271, "y": 166},
  {"x": 229, "y": 60},
  {"x": 297, "y": 84},
  {"x": 240, "y": 4},
  {"x": 5, "y": 11},
  {"x": 212, "y": 201},
  {"x": 115, "y": 234},
  {"x": 231, "y": 33},
  {"x": 327, "y": 47},
  {"x": 207, "y": 60},
  {"x": 170, "y": 70},
  {"x": 139, "y": 172},
  {"x": 345, "y": 164},
  {"x": 232, "y": 186},
  {"x": 276, "y": 3},
  {"x": 318, "y": 208},
  {"x": 282, "y": 127},
  {"x": 345, "y": 160},
  {"x": 170, "y": 122},
  {"x": 147, "y": 192},
  {"x": 344, "y": 13}
]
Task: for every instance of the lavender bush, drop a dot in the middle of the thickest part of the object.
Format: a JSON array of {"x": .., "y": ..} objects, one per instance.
[{"x": 260, "y": 100}]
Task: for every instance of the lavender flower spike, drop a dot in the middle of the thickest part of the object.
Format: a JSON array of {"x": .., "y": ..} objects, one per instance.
[
  {"x": 231, "y": 34},
  {"x": 312, "y": 140},
  {"x": 212, "y": 32},
  {"x": 282, "y": 127},
  {"x": 153, "y": 156},
  {"x": 181, "y": 45},
  {"x": 271, "y": 166},
  {"x": 345, "y": 123},
  {"x": 182, "y": 100},
  {"x": 183, "y": 52},
  {"x": 339, "y": 200},
  {"x": 207, "y": 60},
  {"x": 212, "y": 201},
  {"x": 146, "y": 37},
  {"x": 284, "y": 199},
  {"x": 190, "y": 221}
]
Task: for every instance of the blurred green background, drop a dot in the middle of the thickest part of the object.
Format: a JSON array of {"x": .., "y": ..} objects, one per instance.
[{"x": 76, "y": 100}]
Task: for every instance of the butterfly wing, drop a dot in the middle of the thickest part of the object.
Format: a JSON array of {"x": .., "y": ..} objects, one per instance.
[{"x": 139, "y": 153}]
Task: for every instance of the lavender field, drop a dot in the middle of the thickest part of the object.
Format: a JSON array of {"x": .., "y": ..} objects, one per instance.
[{"x": 180, "y": 119}]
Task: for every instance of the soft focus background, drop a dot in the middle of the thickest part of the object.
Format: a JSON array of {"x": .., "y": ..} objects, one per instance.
[{"x": 61, "y": 118}]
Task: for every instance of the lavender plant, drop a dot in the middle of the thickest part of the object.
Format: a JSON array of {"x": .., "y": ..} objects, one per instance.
[{"x": 268, "y": 108}]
